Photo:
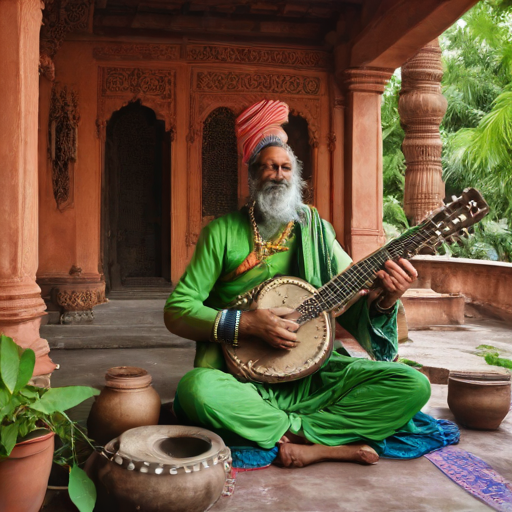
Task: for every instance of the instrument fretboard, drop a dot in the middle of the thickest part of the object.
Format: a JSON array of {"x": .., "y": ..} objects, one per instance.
[{"x": 343, "y": 287}]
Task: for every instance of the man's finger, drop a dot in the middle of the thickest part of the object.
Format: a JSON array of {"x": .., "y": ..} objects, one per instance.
[
  {"x": 395, "y": 270},
  {"x": 285, "y": 334},
  {"x": 282, "y": 311}
]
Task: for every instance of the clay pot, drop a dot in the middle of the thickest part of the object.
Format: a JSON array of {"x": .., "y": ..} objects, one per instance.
[
  {"x": 160, "y": 468},
  {"x": 24, "y": 474},
  {"x": 127, "y": 401},
  {"x": 479, "y": 400}
]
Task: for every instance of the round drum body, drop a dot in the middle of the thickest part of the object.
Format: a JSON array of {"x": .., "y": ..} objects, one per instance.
[
  {"x": 161, "y": 468},
  {"x": 257, "y": 361}
]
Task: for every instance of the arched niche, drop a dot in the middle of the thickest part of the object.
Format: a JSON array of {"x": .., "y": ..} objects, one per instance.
[
  {"x": 219, "y": 164},
  {"x": 136, "y": 199}
]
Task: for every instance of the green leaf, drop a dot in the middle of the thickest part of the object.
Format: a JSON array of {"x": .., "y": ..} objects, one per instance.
[
  {"x": 81, "y": 490},
  {"x": 8, "y": 435},
  {"x": 29, "y": 393},
  {"x": 4, "y": 396},
  {"x": 27, "y": 363},
  {"x": 9, "y": 362},
  {"x": 61, "y": 399}
]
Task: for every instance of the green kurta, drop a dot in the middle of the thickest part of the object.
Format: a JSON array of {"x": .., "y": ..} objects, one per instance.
[{"x": 347, "y": 400}]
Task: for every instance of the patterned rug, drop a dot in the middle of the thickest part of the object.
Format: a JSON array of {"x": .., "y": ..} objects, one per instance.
[{"x": 475, "y": 476}]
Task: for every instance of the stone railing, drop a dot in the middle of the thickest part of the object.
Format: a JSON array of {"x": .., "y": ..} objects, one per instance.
[{"x": 482, "y": 282}]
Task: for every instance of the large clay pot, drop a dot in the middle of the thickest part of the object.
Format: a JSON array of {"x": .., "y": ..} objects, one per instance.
[
  {"x": 24, "y": 474},
  {"x": 127, "y": 401},
  {"x": 479, "y": 400},
  {"x": 160, "y": 468}
]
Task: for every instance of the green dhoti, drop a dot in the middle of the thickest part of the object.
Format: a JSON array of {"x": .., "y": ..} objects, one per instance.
[{"x": 348, "y": 400}]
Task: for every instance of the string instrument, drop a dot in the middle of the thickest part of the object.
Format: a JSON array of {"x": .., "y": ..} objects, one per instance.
[{"x": 257, "y": 361}]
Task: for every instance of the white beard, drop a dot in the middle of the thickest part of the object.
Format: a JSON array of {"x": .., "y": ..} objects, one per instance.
[{"x": 278, "y": 203}]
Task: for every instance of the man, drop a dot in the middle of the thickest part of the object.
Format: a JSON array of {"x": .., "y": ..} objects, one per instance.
[{"x": 347, "y": 409}]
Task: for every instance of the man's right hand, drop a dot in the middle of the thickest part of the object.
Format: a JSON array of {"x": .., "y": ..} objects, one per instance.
[{"x": 269, "y": 325}]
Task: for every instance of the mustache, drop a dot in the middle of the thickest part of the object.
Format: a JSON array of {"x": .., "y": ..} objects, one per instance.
[{"x": 275, "y": 184}]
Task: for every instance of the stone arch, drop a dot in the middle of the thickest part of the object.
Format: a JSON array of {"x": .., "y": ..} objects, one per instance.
[{"x": 136, "y": 198}]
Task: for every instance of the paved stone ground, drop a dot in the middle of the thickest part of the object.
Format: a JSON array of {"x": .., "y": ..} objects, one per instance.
[{"x": 130, "y": 332}]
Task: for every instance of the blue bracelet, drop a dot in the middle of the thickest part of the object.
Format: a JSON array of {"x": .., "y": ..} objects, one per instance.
[{"x": 228, "y": 326}]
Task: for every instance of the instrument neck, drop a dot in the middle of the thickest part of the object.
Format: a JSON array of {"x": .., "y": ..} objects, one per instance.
[{"x": 343, "y": 287}]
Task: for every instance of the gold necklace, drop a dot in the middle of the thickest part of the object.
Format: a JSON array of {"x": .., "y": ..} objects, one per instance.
[{"x": 262, "y": 248}]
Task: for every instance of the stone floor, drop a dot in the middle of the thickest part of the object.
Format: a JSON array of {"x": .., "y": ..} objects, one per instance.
[{"x": 130, "y": 332}]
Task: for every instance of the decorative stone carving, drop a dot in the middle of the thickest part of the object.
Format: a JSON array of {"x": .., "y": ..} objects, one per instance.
[
  {"x": 251, "y": 55},
  {"x": 62, "y": 143},
  {"x": 118, "y": 86},
  {"x": 59, "y": 18},
  {"x": 331, "y": 142},
  {"x": 366, "y": 79},
  {"x": 421, "y": 108},
  {"x": 137, "y": 52},
  {"x": 46, "y": 67},
  {"x": 150, "y": 82},
  {"x": 76, "y": 301},
  {"x": 257, "y": 82}
]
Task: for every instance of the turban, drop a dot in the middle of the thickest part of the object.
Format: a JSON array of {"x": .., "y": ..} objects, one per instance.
[{"x": 261, "y": 121}]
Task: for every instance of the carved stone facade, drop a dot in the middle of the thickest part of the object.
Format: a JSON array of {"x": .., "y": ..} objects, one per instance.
[
  {"x": 137, "y": 52},
  {"x": 252, "y": 55},
  {"x": 279, "y": 83},
  {"x": 59, "y": 18},
  {"x": 118, "y": 86},
  {"x": 421, "y": 108},
  {"x": 62, "y": 143}
]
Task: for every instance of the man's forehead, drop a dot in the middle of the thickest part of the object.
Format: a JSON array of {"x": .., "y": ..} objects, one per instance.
[{"x": 274, "y": 153}]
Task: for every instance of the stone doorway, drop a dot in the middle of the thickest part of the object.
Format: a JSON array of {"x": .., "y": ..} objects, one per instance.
[{"x": 137, "y": 249}]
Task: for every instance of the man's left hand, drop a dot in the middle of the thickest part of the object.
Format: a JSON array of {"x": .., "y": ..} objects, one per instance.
[{"x": 393, "y": 282}]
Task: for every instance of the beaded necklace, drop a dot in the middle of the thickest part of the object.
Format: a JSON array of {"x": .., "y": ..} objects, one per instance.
[{"x": 262, "y": 248}]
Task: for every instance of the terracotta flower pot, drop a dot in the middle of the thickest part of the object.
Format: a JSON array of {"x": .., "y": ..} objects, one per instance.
[
  {"x": 127, "y": 401},
  {"x": 24, "y": 474},
  {"x": 479, "y": 400}
]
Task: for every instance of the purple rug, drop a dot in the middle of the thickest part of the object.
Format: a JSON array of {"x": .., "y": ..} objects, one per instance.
[{"x": 475, "y": 476}]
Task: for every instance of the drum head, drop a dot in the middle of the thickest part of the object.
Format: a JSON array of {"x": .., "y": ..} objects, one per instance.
[{"x": 259, "y": 362}]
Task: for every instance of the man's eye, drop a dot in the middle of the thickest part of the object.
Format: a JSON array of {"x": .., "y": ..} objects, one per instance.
[{"x": 286, "y": 168}]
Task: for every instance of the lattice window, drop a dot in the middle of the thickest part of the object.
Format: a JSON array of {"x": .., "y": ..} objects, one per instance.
[{"x": 220, "y": 164}]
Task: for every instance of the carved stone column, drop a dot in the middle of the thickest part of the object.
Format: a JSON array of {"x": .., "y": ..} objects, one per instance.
[
  {"x": 21, "y": 306},
  {"x": 421, "y": 108},
  {"x": 363, "y": 160}
]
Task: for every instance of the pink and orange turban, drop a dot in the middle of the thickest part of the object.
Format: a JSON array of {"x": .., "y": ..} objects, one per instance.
[{"x": 262, "y": 120}]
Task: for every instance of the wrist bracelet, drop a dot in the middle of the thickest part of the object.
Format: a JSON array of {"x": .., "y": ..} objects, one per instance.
[
  {"x": 227, "y": 330},
  {"x": 383, "y": 311},
  {"x": 216, "y": 327}
]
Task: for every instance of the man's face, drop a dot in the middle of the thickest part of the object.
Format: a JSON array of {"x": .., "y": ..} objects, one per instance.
[{"x": 275, "y": 167}]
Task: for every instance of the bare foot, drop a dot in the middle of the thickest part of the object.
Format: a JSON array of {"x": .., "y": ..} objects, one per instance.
[
  {"x": 290, "y": 437},
  {"x": 299, "y": 455}
]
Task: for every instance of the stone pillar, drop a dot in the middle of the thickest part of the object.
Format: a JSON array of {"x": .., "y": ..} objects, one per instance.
[
  {"x": 363, "y": 160},
  {"x": 21, "y": 306},
  {"x": 421, "y": 108}
]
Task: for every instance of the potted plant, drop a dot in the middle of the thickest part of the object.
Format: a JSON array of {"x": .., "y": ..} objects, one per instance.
[{"x": 30, "y": 417}]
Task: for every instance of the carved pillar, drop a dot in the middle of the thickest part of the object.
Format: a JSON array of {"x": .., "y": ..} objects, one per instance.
[
  {"x": 21, "y": 306},
  {"x": 363, "y": 160},
  {"x": 421, "y": 108}
]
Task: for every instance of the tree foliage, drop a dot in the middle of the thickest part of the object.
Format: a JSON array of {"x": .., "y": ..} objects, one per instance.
[{"x": 477, "y": 127}]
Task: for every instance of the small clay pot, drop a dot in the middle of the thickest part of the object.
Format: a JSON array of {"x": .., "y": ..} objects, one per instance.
[
  {"x": 479, "y": 400},
  {"x": 127, "y": 401},
  {"x": 24, "y": 474}
]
